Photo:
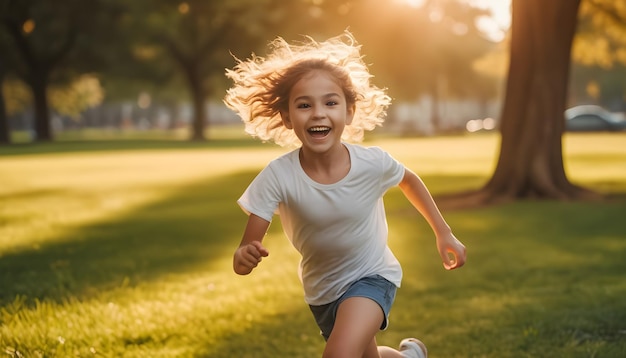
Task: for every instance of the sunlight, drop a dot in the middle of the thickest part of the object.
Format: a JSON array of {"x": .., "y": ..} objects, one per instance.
[
  {"x": 496, "y": 25},
  {"x": 414, "y": 3},
  {"x": 104, "y": 186}
]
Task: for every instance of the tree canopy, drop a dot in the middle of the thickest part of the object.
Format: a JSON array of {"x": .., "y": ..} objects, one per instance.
[{"x": 177, "y": 50}]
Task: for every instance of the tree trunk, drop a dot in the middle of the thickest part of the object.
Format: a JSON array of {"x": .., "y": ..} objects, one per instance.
[
  {"x": 435, "y": 119},
  {"x": 530, "y": 164},
  {"x": 199, "y": 116},
  {"x": 5, "y": 128},
  {"x": 190, "y": 66},
  {"x": 43, "y": 130}
]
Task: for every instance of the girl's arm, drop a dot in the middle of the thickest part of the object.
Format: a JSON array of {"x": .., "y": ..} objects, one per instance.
[
  {"x": 250, "y": 251},
  {"x": 418, "y": 195}
]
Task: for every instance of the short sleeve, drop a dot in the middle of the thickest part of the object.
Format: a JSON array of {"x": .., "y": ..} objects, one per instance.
[
  {"x": 262, "y": 197},
  {"x": 393, "y": 170}
]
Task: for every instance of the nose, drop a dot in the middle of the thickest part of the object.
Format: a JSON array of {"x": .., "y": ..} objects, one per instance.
[{"x": 319, "y": 111}]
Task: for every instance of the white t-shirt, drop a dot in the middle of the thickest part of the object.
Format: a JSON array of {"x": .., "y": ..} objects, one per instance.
[{"x": 339, "y": 229}]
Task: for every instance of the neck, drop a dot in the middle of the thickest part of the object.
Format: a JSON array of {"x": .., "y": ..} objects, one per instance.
[
  {"x": 328, "y": 159},
  {"x": 328, "y": 167}
]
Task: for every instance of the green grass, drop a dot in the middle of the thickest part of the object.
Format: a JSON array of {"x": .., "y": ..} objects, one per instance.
[{"x": 122, "y": 248}]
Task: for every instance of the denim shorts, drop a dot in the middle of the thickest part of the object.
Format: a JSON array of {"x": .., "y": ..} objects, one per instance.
[{"x": 376, "y": 288}]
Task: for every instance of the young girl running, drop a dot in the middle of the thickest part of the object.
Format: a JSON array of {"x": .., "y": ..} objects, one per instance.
[{"x": 317, "y": 97}]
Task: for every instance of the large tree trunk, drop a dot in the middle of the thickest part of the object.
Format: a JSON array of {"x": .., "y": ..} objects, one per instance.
[
  {"x": 530, "y": 164},
  {"x": 531, "y": 161}
]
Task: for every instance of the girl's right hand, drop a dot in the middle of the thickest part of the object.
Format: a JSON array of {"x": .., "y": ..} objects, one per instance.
[{"x": 247, "y": 257}]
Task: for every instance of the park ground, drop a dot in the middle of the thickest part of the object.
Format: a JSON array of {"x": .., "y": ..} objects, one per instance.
[{"x": 122, "y": 248}]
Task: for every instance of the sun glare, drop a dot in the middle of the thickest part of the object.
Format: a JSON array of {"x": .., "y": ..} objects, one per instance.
[
  {"x": 494, "y": 26},
  {"x": 414, "y": 3}
]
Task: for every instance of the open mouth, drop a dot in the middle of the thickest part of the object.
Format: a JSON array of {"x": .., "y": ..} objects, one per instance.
[{"x": 319, "y": 131}]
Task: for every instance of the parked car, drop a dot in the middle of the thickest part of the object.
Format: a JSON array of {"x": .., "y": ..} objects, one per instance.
[{"x": 591, "y": 118}]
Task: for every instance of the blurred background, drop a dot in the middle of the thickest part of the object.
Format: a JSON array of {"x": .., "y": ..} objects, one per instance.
[{"x": 73, "y": 67}]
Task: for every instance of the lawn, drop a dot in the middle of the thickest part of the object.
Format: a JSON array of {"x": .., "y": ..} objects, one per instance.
[{"x": 123, "y": 249}]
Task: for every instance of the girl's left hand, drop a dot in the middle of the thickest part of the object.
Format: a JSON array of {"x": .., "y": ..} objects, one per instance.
[{"x": 452, "y": 251}]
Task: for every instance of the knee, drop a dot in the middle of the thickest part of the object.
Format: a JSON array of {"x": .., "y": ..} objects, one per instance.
[{"x": 341, "y": 351}]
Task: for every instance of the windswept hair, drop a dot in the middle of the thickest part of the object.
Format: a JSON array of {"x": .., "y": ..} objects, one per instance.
[{"x": 262, "y": 85}]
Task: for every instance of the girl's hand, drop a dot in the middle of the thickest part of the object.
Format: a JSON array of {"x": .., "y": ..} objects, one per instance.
[
  {"x": 247, "y": 257},
  {"x": 451, "y": 250}
]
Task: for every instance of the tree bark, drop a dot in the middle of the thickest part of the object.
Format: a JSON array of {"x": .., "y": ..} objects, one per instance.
[
  {"x": 530, "y": 164},
  {"x": 43, "y": 130},
  {"x": 200, "y": 116},
  {"x": 5, "y": 128},
  {"x": 191, "y": 68}
]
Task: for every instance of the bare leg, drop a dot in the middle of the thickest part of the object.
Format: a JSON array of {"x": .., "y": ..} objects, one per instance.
[
  {"x": 357, "y": 322},
  {"x": 354, "y": 334}
]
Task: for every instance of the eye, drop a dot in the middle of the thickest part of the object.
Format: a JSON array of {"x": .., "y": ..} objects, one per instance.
[
  {"x": 332, "y": 103},
  {"x": 303, "y": 105}
]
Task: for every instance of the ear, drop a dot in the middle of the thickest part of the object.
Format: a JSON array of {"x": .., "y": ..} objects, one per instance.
[
  {"x": 350, "y": 114},
  {"x": 286, "y": 121}
]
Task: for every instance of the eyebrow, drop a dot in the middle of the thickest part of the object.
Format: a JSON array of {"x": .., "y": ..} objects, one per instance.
[{"x": 326, "y": 96}]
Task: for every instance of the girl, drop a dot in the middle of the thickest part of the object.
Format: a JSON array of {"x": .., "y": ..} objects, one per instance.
[{"x": 328, "y": 192}]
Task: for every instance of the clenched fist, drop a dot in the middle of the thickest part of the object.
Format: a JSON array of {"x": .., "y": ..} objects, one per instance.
[{"x": 247, "y": 257}]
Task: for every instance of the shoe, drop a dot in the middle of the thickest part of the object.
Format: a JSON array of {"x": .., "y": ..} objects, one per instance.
[{"x": 413, "y": 348}]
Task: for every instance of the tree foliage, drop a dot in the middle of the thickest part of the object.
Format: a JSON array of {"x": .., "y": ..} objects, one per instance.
[
  {"x": 53, "y": 42},
  {"x": 177, "y": 50},
  {"x": 599, "y": 55},
  {"x": 601, "y": 39}
]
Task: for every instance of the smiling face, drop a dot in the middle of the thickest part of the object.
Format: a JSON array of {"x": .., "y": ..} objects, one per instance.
[{"x": 318, "y": 112}]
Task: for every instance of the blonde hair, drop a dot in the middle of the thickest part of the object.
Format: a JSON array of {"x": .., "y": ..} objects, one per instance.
[{"x": 262, "y": 85}]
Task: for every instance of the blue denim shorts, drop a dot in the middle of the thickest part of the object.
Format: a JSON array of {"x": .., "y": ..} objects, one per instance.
[{"x": 376, "y": 288}]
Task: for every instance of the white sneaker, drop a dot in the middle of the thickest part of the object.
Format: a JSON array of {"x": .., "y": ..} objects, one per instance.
[{"x": 413, "y": 348}]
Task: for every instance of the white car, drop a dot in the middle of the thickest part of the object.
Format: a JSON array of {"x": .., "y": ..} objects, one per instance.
[{"x": 592, "y": 118}]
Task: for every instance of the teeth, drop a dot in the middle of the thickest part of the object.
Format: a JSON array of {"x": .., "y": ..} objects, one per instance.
[{"x": 318, "y": 129}]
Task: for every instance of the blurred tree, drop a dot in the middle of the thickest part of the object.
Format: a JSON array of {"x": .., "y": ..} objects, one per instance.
[
  {"x": 599, "y": 54},
  {"x": 82, "y": 93},
  {"x": 601, "y": 36},
  {"x": 412, "y": 50},
  {"x": 55, "y": 42},
  {"x": 5, "y": 128},
  {"x": 17, "y": 96},
  {"x": 198, "y": 37},
  {"x": 426, "y": 50},
  {"x": 596, "y": 85},
  {"x": 530, "y": 163}
]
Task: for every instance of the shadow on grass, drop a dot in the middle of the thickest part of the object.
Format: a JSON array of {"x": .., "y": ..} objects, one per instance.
[
  {"x": 192, "y": 227},
  {"x": 289, "y": 334}
]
